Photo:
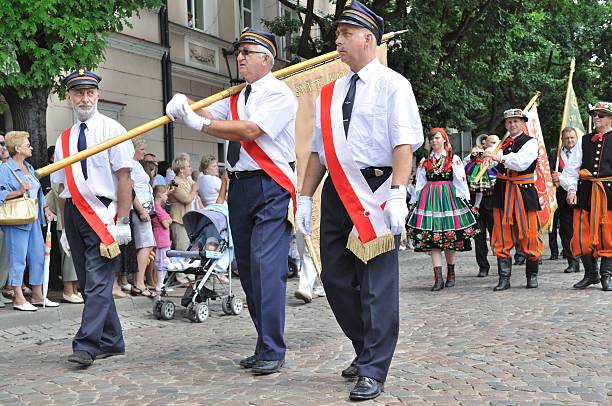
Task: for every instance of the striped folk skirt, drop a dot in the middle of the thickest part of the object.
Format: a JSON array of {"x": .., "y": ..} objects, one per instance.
[{"x": 440, "y": 220}]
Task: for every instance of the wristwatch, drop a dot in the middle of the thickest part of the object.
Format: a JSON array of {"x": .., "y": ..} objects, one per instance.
[
  {"x": 123, "y": 220},
  {"x": 206, "y": 123}
]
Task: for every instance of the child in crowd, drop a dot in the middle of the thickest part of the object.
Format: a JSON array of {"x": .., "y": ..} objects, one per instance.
[{"x": 161, "y": 230}]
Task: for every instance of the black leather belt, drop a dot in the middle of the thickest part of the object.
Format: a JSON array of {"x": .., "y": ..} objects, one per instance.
[
  {"x": 251, "y": 174},
  {"x": 376, "y": 171}
]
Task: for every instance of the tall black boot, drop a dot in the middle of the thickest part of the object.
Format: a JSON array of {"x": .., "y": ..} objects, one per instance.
[
  {"x": 591, "y": 276},
  {"x": 573, "y": 265},
  {"x": 438, "y": 281},
  {"x": 531, "y": 271},
  {"x": 504, "y": 269},
  {"x": 606, "y": 274},
  {"x": 450, "y": 276}
]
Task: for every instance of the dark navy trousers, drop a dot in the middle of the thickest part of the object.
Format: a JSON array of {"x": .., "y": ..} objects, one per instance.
[
  {"x": 363, "y": 297},
  {"x": 100, "y": 327},
  {"x": 261, "y": 234}
]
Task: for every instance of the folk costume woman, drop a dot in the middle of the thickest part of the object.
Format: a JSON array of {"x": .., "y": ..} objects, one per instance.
[{"x": 441, "y": 219}]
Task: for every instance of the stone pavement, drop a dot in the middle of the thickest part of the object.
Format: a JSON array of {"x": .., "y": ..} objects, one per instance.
[{"x": 461, "y": 346}]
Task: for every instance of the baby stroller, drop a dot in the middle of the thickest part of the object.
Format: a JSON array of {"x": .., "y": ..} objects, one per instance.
[{"x": 209, "y": 261}]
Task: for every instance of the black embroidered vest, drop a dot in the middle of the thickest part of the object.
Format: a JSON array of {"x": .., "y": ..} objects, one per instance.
[
  {"x": 528, "y": 192},
  {"x": 597, "y": 158}
]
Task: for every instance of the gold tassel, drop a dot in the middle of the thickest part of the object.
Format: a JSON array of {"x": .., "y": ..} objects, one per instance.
[
  {"x": 291, "y": 218},
  {"x": 110, "y": 251},
  {"x": 370, "y": 249}
]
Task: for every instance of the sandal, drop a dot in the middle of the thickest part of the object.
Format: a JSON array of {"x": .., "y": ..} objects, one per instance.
[{"x": 134, "y": 291}]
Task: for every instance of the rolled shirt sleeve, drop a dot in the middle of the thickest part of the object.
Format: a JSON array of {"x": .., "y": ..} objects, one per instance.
[{"x": 519, "y": 161}]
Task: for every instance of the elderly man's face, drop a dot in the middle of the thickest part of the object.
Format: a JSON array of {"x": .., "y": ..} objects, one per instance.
[
  {"x": 84, "y": 102},
  {"x": 569, "y": 139},
  {"x": 4, "y": 155}
]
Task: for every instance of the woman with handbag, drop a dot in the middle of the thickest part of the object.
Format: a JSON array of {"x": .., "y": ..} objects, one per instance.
[{"x": 21, "y": 215}]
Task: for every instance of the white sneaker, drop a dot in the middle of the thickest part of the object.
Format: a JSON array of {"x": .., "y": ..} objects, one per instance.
[{"x": 46, "y": 303}]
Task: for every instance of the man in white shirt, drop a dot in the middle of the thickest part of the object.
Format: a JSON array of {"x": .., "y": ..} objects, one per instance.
[
  {"x": 562, "y": 219},
  {"x": 259, "y": 124},
  {"x": 366, "y": 127},
  {"x": 93, "y": 192},
  {"x": 515, "y": 201}
]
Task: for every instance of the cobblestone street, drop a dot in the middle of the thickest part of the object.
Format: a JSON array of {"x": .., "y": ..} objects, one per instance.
[{"x": 465, "y": 345}]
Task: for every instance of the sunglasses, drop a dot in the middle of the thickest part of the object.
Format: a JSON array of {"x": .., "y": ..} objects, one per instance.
[
  {"x": 601, "y": 115},
  {"x": 2, "y": 144}
]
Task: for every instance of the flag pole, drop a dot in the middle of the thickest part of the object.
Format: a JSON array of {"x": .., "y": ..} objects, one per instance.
[
  {"x": 484, "y": 167},
  {"x": 158, "y": 122},
  {"x": 564, "y": 115}
]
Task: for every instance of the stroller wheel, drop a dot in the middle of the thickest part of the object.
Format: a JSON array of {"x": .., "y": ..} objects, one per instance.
[
  {"x": 167, "y": 310},
  {"x": 226, "y": 306},
  {"x": 236, "y": 305},
  {"x": 199, "y": 313},
  {"x": 157, "y": 310},
  {"x": 293, "y": 269}
]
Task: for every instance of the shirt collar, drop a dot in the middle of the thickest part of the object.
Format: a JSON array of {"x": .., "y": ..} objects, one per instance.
[
  {"x": 367, "y": 71},
  {"x": 261, "y": 82}
]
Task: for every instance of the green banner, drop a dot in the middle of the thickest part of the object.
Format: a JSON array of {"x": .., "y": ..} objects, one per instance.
[{"x": 572, "y": 112}]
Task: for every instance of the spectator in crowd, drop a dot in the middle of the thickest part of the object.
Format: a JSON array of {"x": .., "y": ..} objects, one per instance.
[
  {"x": 181, "y": 194},
  {"x": 162, "y": 168},
  {"x": 4, "y": 156},
  {"x": 141, "y": 219},
  {"x": 69, "y": 277},
  {"x": 209, "y": 182},
  {"x": 161, "y": 230},
  {"x": 150, "y": 157},
  {"x": 24, "y": 242},
  {"x": 150, "y": 169}
]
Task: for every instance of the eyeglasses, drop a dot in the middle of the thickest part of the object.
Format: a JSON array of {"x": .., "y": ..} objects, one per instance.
[
  {"x": 247, "y": 52},
  {"x": 601, "y": 115},
  {"x": 2, "y": 144}
]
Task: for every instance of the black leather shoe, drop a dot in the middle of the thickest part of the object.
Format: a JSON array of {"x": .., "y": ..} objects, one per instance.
[
  {"x": 483, "y": 272},
  {"x": 82, "y": 358},
  {"x": 109, "y": 354},
  {"x": 350, "y": 372},
  {"x": 366, "y": 388},
  {"x": 262, "y": 367},
  {"x": 553, "y": 257},
  {"x": 248, "y": 362}
]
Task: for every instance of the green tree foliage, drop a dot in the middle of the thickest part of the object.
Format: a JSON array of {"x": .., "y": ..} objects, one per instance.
[
  {"x": 468, "y": 60},
  {"x": 41, "y": 40}
]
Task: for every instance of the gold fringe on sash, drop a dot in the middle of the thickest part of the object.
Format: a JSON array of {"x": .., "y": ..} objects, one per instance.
[
  {"x": 110, "y": 251},
  {"x": 370, "y": 249},
  {"x": 291, "y": 218}
]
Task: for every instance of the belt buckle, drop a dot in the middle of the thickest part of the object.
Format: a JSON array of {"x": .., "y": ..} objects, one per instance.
[{"x": 378, "y": 172}]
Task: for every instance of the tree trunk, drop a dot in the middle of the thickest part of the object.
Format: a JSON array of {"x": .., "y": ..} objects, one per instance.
[{"x": 31, "y": 115}]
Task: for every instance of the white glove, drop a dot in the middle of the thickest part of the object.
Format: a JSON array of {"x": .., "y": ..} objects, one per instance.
[
  {"x": 122, "y": 233},
  {"x": 303, "y": 214},
  {"x": 64, "y": 243},
  {"x": 191, "y": 119},
  {"x": 174, "y": 108},
  {"x": 396, "y": 210}
]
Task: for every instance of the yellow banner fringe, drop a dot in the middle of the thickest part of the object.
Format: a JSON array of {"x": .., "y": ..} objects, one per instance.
[
  {"x": 110, "y": 251},
  {"x": 370, "y": 249}
]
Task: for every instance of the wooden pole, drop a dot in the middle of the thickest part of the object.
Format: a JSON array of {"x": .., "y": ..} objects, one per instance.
[
  {"x": 484, "y": 167},
  {"x": 135, "y": 132},
  {"x": 564, "y": 115}
]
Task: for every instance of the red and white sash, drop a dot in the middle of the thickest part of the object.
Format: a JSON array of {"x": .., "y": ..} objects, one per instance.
[
  {"x": 98, "y": 216},
  {"x": 370, "y": 235},
  {"x": 269, "y": 157}
]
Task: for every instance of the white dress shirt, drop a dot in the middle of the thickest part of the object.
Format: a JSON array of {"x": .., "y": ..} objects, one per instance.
[
  {"x": 385, "y": 114},
  {"x": 142, "y": 185},
  {"x": 519, "y": 161},
  {"x": 459, "y": 179},
  {"x": 273, "y": 107},
  {"x": 102, "y": 166}
]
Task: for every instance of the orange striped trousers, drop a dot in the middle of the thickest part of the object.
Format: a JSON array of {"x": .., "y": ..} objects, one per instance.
[
  {"x": 505, "y": 236},
  {"x": 582, "y": 241}
]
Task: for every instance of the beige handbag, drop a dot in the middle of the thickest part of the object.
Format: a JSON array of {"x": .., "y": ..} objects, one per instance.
[{"x": 20, "y": 210}]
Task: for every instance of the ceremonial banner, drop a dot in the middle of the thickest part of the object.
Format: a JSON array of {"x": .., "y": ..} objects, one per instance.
[
  {"x": 306, "y": 86},
  {"x": 543, "y": 183},
  {"x": 571, "y": 113}
]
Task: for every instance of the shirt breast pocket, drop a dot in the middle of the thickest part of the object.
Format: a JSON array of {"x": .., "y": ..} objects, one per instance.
[
  {"x": 98, "y": 160},
  {"x": 372, "y": 122}
]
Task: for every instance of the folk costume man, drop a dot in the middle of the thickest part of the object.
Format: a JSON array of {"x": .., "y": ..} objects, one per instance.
[
  {"x": 95, "y": 198},
  {"x": 366, "y": 126},
  {"x": 564, "y": 214},
  {"x": 515, "y": 201},
  {"x": 259, "y": 124},
  {"x": 588, "y": 180}
]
